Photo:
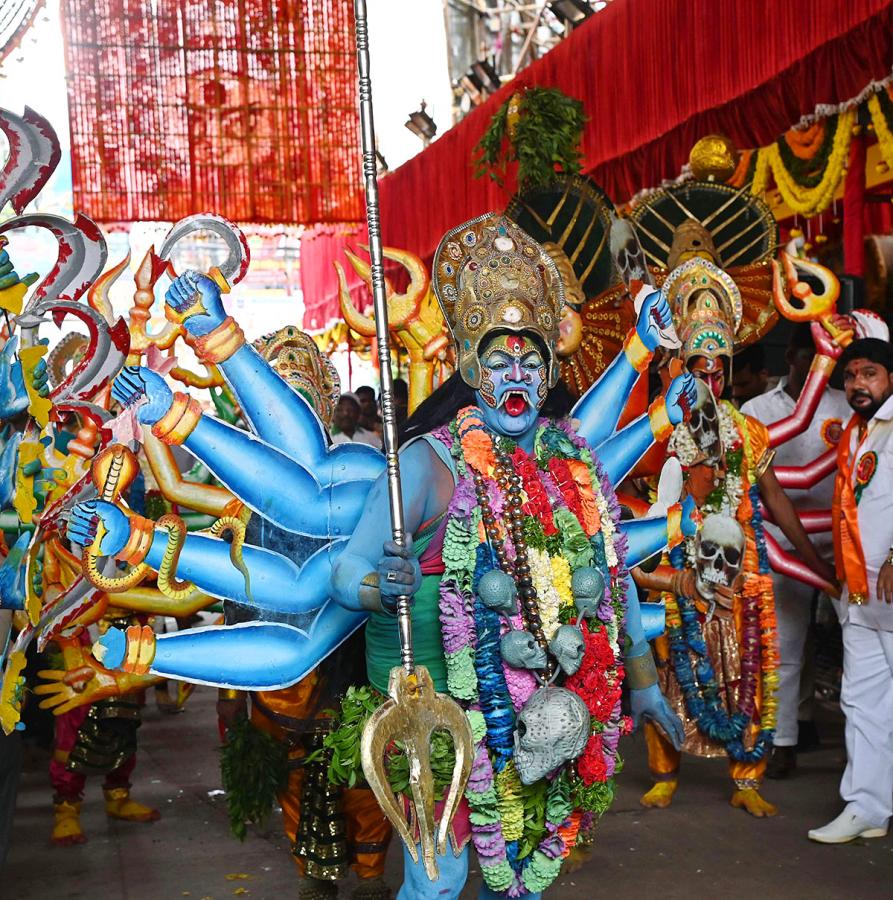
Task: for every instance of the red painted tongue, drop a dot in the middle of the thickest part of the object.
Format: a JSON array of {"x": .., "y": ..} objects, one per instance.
[{"x": 515, "y": 405}]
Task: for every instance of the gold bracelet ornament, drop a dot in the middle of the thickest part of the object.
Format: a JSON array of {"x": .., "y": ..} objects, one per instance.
[
  {"x": 179, "y": 421},
  {"x": 140, "y": 650},
  {"x": 142, "y": 531},
  {"x": 636, "y": 352},
  {"x": 674, "y": 525},
  {"x": 219, "y": 345},
  {"x": 823, "y": 365},
  {"x": 661, "y": 426}
]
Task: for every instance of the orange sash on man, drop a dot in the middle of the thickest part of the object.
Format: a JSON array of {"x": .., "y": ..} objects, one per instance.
[{"x": 848, "y": 554}]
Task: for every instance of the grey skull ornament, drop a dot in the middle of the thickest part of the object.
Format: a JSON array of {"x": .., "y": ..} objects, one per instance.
[
  {"x": 497, "y": 591},
  {"x": 588, "y": 587},
  {"x": 719, "y": 553},
  {"x": 568, "y": 646},
  {"x": 552, "y": 729},
  {"x": 521, "y": 651}
]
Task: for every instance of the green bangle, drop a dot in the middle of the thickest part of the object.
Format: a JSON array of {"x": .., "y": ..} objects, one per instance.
[{"x": 641, "y": 671}]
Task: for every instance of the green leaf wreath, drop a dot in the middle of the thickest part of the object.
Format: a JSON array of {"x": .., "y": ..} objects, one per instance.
[{"x": 544, "y": 140}]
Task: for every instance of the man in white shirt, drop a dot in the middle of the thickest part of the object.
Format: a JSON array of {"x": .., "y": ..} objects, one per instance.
[
  {"x": 346, "y": 423},
  {"x": 793, "y": 599},
  {"x": 863, "y": 538}
]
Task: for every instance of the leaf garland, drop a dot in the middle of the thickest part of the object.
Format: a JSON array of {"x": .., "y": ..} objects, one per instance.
[
  {"x": 345, "y": 765},
  {"x": 544, "y": 141},
  {"x": 254, "y": 770}
]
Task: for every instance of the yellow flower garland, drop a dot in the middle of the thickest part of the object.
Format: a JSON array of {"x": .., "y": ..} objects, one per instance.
[
  {"x": 881, "y": 129},
  {"x": 804, "y": 201}
]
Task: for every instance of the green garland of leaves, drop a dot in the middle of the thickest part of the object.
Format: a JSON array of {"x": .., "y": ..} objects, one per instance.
[
  {"x": 254, "y": 769},
  {"x": 546, "y": 141},
  {"x": 345, "y": 766}
]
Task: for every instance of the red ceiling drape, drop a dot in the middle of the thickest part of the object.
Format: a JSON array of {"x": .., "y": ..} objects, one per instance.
[
  {"x": 655, "y": 76},
  {"x": 246, "y": 108}
]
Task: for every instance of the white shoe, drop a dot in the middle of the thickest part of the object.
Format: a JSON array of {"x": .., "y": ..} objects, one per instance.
[{"x": 845, "y": 828}]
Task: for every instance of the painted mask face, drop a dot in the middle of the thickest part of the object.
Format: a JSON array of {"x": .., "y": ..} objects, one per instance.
[
  {"x": 711, "y": 371},
  {"x": 513, "y": 384}
]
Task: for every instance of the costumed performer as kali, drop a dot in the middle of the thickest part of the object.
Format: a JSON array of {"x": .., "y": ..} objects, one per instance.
[
  {"x": 719, "y": 655},
  {"x": 524, "y": 612}
]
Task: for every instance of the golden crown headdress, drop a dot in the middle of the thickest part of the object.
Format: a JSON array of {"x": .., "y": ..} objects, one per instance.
[
  {"x": 706, "y": 307},
  {"x": 490, "y": 276}
]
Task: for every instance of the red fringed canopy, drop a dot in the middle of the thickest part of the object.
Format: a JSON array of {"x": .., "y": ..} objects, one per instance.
[
  {"x": 246, "y": 109},
  {"x": 654, "y": 77}
]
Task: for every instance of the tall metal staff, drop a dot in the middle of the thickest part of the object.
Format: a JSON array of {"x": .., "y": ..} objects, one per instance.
[{"x": 414, "y": 710}]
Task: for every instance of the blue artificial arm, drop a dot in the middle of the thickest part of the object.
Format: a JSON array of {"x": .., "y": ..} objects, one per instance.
[
  {"x": 600, "y": 408},
  {"x": 277, "y": 585},
  {"x": 325, "y": 504},
  {"x": 249, "y": 656},
  {"x": 620, "y": 452},
  {"x": 647, "y": 536}
]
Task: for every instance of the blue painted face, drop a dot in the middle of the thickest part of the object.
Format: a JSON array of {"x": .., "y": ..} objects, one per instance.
[{"x": 513, "y": 385}]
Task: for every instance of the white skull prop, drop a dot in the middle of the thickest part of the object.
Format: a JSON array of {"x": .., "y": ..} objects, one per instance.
[
  {"x": 704, "y": 425},
  {"x": 553, "y": 728},
  {"x": 521, "y": 651},
  {"x": 568, "y": 647},
  {"x": 628, "y": 255},
  {"x": 720, "y": 552}
]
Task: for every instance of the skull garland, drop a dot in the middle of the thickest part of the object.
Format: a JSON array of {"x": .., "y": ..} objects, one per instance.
[
  {"x": 719, "y": 554},
  {"x": 552, "y": 729},
  {"x": 588, "y": 587},
  {"x": 497, "y": 591}
]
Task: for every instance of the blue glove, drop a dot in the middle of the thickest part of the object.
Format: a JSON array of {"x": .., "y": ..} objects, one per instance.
[
  {"x": 653, "y": 316},
  {"x": 399, "y": 574},
  {"x": 192, "y": 289},
  {"x": 136, "y": 383},
  {"x": 680, "y": 397},
  {"x": 85, "y": 517},
  {"x": 649, "y": 703}
]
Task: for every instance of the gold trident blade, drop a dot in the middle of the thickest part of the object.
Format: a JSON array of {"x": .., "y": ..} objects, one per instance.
[{"x": 414, "y": 712}]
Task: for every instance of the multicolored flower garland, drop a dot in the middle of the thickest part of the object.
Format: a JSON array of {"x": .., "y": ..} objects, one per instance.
[{"x": 571, "y": 520}]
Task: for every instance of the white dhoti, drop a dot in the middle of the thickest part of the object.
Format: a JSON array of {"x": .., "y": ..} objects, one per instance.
[{"x": 866, "y": 698}]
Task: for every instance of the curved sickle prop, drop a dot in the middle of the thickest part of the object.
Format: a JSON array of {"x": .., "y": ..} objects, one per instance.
[
  {"x": 103, "y": 359},
  {"x": 34, "y": 153},
  {"x": 81, "y": 258},
  {"x": 235, "y": 266}
]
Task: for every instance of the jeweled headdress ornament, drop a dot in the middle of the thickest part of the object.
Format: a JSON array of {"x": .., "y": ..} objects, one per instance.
[
  {"x": 488, "y": 276},
  {"x": 295, "y": 357},
  {"x": 706, "y": 306}
]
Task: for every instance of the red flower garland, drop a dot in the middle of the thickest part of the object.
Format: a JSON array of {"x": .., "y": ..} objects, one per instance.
[{"x": 537, "y": 503}]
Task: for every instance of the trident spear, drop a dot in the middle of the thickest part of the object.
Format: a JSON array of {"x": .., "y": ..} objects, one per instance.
[{"x": 414, "y": 710}]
